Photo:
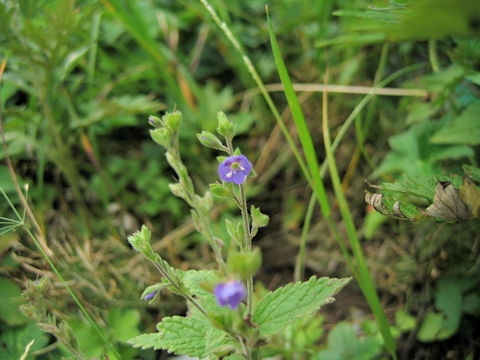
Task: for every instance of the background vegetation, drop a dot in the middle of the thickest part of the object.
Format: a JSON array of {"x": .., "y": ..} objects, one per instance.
[{"x": 79, "y": 79}]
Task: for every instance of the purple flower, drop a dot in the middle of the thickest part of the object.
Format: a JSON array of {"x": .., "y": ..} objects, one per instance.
[
  {"x": 235, "y": 169},
  {"x": 230, "y": 293},
  {"x": 150, "y": 296}
]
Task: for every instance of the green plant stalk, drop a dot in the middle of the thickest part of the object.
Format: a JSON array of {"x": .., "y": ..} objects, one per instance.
[
  {"x": 248, "y": 246},
  {"x": 177, "y": 287},
  {"x": 300, "y": 263},
  {"x": 432, "y": 54},
  {"x": 213, "y": 243},
  {"x": 365, "y": 281},
  {"x": 198, "y": 208},
  {"x": 247, "y": 240},
  {"x": 92, "y": 54}
]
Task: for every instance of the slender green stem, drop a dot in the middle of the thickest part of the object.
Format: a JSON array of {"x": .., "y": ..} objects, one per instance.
[
  {"x": 247, "y": 246},
  {"x": 245, "y": 351},
  {"x": 177, "y": 287},
  {"x": 247, "y": 240},
  {"x": 364, "y": 279},
  {"x": 213, "y": 242},
  {"x": 432, "y": 54},
  {"x": 300, "y": 264},
  {"x": 246, "y": 223},
  {"x": 92, "y": 55},
  {"x": 70, "y": 291}
]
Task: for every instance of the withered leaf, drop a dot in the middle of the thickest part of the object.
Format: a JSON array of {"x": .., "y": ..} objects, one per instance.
[
  {"x": 447, "y": 204},
  {"x": 470, "y": 195},
  {"x": 377, "y": 201}
]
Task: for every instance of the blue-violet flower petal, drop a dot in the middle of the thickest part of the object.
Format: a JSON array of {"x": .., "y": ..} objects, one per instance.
[
  {"x": 230, "y": 293},
  {"x": 150, "y": 296},
  {"x": 234, "y": 169}
]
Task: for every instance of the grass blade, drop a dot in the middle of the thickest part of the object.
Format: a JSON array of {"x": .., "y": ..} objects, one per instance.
[
  {"x": 360, "y": 270},
  {"x": 364, "y": 279},
  {"x": 300, "y": 123}
]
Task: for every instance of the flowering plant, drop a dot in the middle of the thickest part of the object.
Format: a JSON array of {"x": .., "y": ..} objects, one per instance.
[{"x": 224, "y": 321}]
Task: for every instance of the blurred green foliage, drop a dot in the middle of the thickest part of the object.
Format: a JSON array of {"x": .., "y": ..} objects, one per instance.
[{"x": 82, "y": 76}]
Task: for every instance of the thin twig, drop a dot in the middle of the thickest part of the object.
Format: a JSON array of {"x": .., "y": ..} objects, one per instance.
[{"x": 341, "y": 89}]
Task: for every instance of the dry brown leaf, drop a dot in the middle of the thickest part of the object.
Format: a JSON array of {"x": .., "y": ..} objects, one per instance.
[
  {"x": 447, "y": 204},
  {"x": 470, "y": 195}
]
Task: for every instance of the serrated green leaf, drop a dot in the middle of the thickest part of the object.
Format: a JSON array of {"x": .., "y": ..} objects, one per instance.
[
  {"x": 233, "y": 357},
  {"x": 123, "y": 323},
  {"x": 389, "y": 206},
  {"x": 259, "y": 220},
  {"x": 414, "y": 154},
  {"x": 432, "y": 324},
  {"x": 404, "y": 321},
  {"x": 184, "y": 336},
  {"x": 146, "y": 341},
  {"x": 290, "y": 302},
  {"x": 422, "y": 186},
  {"x": 472, "y": 171},
  {"x": 464, "y": 129},
  {"x": 343, "y": 344},
  {"x": 193, "y": 281}
]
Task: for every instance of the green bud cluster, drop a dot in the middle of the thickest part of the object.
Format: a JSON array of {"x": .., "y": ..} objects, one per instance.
[
  {"x": 225, "y": 127},
  {"x": 166, "y": 129}
]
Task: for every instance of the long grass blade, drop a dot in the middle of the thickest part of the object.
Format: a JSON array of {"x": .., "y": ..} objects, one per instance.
[
  {"x": 303, "y": 132},
  {"x": 364, "y": 279},
  {"x": 253, "y": 72},
  {"x": 361, "y": 271}
]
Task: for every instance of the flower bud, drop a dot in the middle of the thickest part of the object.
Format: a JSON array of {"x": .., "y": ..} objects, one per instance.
[
  {"x": 172, "y": 121},
  {"x": 245, "y": 264},
  {"x": 209, "y": 140},
  {"x": 161, "y": 137},
  {"x": 154, "y": 121},
  {"x": 224, "y": 126}
]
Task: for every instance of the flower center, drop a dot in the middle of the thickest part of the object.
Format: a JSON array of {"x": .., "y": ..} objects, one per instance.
[{"x": 234, "y": 167}]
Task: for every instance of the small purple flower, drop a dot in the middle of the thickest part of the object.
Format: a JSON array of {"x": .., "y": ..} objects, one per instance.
[
  {"x": 230, "y": 293},
  {"x": 150, "y": 296},
  {"x": 235, "y": 169}
]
